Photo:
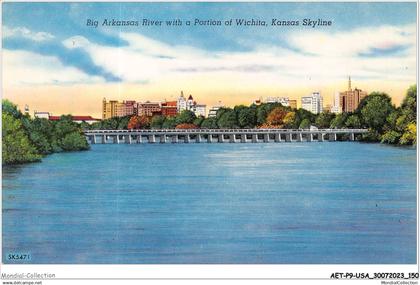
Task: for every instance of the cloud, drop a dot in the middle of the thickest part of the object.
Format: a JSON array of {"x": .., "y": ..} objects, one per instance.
[
  {"x": 28, "y": 68},
  {"x": 355, "y": 42},
  {"x": 386, "y": 52},
  {"x": 22, "y": 32}
]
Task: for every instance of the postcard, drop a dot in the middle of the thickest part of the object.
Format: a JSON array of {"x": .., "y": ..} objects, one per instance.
[{"x": 210, "y": 133}]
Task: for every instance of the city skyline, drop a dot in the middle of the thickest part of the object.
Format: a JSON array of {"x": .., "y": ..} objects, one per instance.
[{"x": 63, "y": 65}]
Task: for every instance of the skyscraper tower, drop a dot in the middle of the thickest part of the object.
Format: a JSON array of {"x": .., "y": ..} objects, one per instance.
[{"x": 349, "y": 83}]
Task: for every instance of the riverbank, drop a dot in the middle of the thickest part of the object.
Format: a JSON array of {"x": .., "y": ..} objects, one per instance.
[{"x": 27, "y": 140}]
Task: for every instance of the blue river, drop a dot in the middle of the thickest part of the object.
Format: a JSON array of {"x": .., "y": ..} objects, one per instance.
[{"x": 299, "y": 203}]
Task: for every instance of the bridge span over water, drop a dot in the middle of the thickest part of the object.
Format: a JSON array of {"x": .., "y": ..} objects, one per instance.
[{"x": 219, "y": 135}]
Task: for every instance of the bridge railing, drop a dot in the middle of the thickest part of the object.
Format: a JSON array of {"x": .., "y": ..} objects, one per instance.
[{"x": 206, "y": 131}]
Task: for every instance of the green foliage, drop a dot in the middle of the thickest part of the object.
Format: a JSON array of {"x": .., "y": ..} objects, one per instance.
[
  {"x": 410, "y": 135},
  {"x": 301, "y": 115},
  {"x": 157, "y": 122},
  {"x": 198, "y": 121},
  {"x": 339, "y": 121},
  {"x": 323, "y": 120},
  {"x": 10, "y": 108},
  {"x": 185, "y": 117},
  {"x": 391, "y": 137},
  {"x": 169, "y": 123},
  {"x": 228, "y": 120},
  {"x": 353, "y": 121},
  {"x": 209, "y": 123},
  {"x": 74, "y": 141},
  {"x": 16, "y": 146},
  {"x": 375, "y": 110},
  {"x": 246, "y": 117},
  {"x": 26, "y": 140},
  {"x": 305, "y": 124},
  {"x": 263, "y": 110}
]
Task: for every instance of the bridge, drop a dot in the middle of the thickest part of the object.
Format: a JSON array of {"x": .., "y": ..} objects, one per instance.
[{"x": 219, "y": 135}]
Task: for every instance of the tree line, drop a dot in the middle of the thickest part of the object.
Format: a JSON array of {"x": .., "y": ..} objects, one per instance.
[
  {"x": 27, "y": 140},
  {"x": 386, "y": 122}
]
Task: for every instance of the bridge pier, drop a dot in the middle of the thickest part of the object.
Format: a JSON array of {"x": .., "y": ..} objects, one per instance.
[
  {"x": 175, "y": 139},
  {"x": 163, "y": 139},
  {"x": 320, "y": 137},
  {"x": 187, "y": 138},
  {"x": 299, "y": 137},
  {"x": 139, "y": 139},
  {"x": 352, "y": 136},
  {"x": 221, "y": 138},
  {"x": 310, "y": 137},
  {"x": 152, "y": 139},
  {"x": 288, "y": 137},
  {"x": 209, "y": 138},
  {"x": 254, "y": 138},
  {"x": 232, "y": 138},
  {"x": 243, "y": 138},
  {"x": 266, "y": 138},
  {"x": 332, "y": 137}
]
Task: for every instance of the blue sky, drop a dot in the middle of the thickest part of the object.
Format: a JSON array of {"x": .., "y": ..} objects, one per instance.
[{"x": 52, "y": 38}]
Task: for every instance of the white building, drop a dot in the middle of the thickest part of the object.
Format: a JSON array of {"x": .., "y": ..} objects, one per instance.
[
  {"x": 200, "y": 110},
  {"x": 181, "y": 104},
  {"x": 213, "y": 110},
  {"x": 282, "y": 100},
  {"x": 42, "y": 115},
  {"x": 312, "y": 103},
  {"x": 336, "y": 108}
]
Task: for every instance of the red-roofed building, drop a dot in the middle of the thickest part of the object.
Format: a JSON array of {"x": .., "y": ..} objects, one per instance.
[
  {"x": 169, "y": 108},
  {"x": 77, "y": 119}
]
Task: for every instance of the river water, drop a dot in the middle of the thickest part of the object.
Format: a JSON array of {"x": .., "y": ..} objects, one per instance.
[{"x": 302, "y": 203}]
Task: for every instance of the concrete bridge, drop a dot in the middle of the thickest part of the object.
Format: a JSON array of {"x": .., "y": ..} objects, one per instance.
[{"x": 218, "y": 135}]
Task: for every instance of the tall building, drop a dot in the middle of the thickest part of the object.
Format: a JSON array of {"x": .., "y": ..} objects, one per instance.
[
  {"x": 350, "y": 99},
  {"x": 336, "y": 108},
  {"x": 114, "y": 108},
  {"x": 148, "y": 108},
  {"x": 312, "y": 103},
  {"x": 169, "y": 108},
  {"x": 126, "y": 108},
  {"x": 181, "y": 103}
]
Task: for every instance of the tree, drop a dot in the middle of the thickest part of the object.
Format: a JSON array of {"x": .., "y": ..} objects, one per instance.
[
  {"x": 228, "y": 120},
  {"x": 74, "y": 142},
  {"x": 263, "y": 110},
  {"x": 375, "y": 109},
  {"x": 289, "y": 120},
  {"x": 391, "y": 137},
  {"x": 323, "y": 120},
  {"x": 276, "y": 117},
  {"x": 246, "y": 117},
  {"x": 41, "y": 134},
  {"x": 186, "y": 126},
  {"x": 157, "y": 122},
  {"x": 185, "y": 117},
  {"x": 353, "y": 121},
  {"x": 138, "y": 122},
  {"x": 198, "y": 121},
  {"x": 209, "y": 123},
  {"x": 16, "y": 146},
  {"x": 305, "y": 124},
  {"x": 11, "y": 109},
  {"x": 410, "y": 135},
  {"x": 169, "y": 123},
  {"x": 339, "y": 121}
]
